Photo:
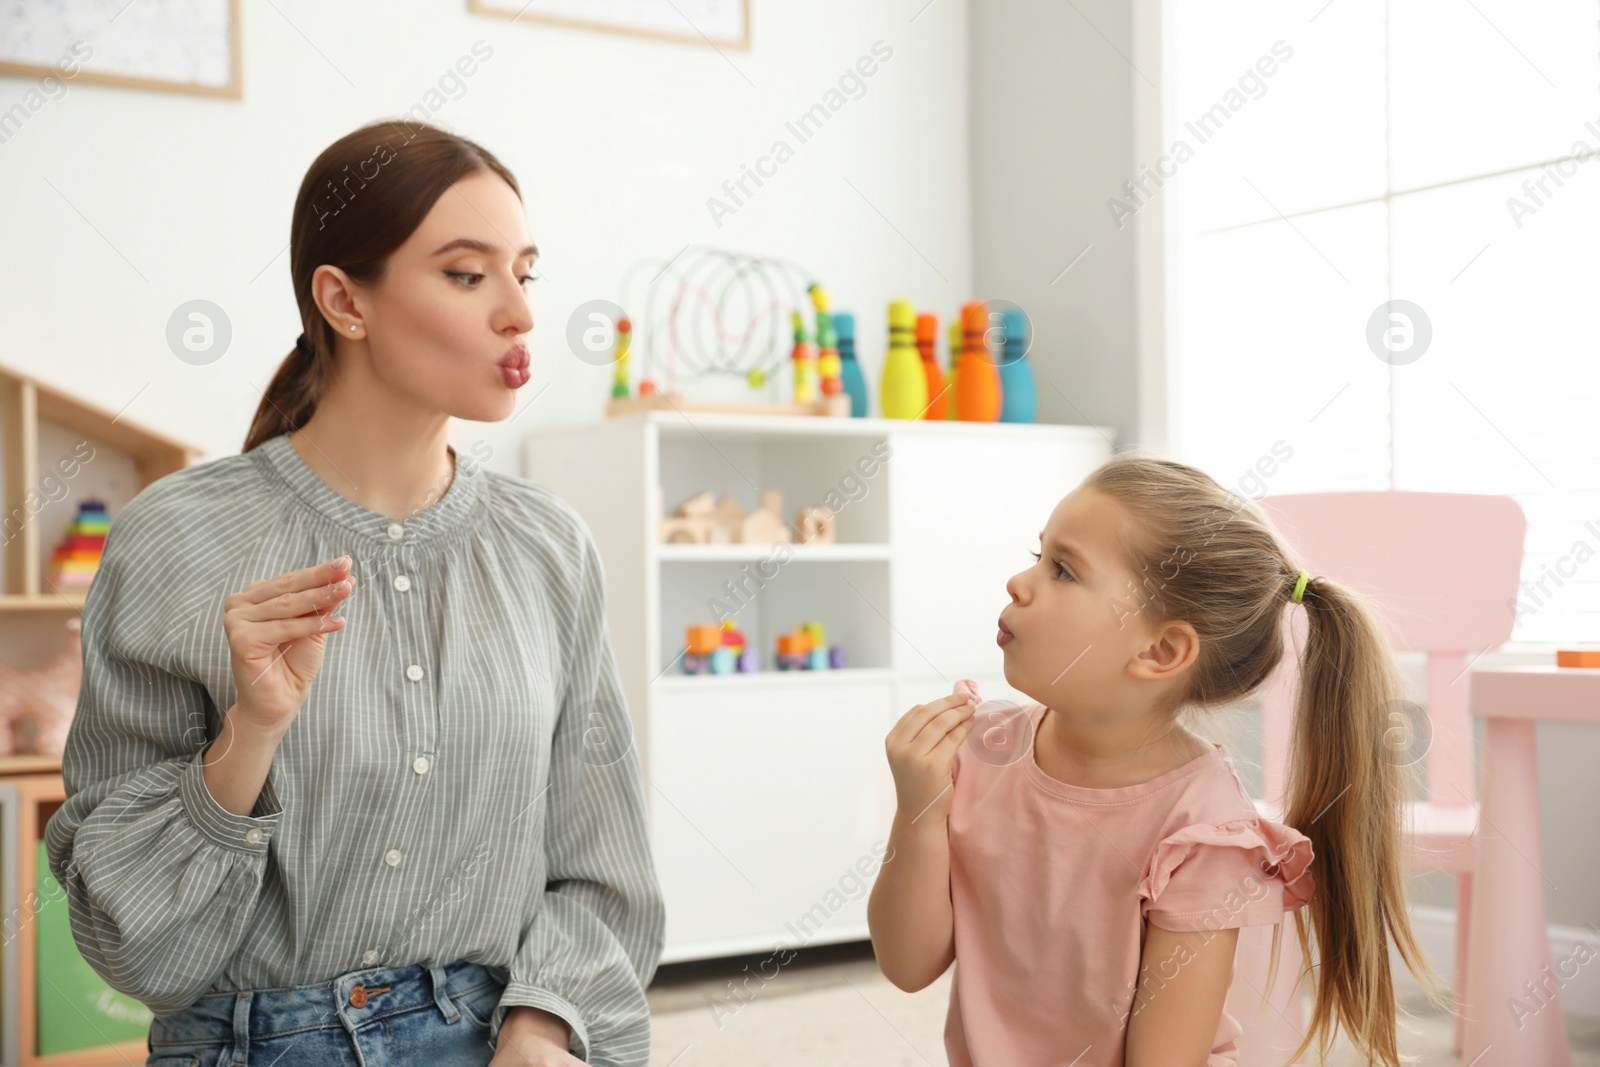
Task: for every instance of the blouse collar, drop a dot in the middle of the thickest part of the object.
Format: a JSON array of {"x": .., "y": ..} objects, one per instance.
[{"x": 444, "y": 515}]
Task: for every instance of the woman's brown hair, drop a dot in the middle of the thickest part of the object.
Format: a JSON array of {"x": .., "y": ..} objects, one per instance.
[
  {"x": 1214, "y": 559},
  {"x": 359, "y": 201}
]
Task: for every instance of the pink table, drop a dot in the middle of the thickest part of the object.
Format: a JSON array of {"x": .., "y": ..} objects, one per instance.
[{"x": 1509, "y": 940}]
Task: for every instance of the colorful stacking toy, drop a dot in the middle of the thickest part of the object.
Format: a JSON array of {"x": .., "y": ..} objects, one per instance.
[{"x": 76, "y": 558}]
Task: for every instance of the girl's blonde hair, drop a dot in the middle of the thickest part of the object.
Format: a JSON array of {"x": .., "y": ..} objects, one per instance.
[{"x": 1213, "y": 558}]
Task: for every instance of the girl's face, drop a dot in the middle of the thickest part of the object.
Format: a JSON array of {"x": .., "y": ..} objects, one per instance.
[
  {"x": 453, "y": 303},
  {"x": 1080, "y": 639}
]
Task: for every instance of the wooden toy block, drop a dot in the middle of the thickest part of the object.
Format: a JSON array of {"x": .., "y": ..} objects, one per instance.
[{"x": 816, "y": 526}]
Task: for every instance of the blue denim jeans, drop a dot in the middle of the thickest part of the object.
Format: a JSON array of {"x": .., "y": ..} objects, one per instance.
[{"x": 380, "y": 1017}]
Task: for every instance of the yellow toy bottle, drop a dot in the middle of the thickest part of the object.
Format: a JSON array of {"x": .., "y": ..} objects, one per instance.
[{"x": 903, "y": 386}]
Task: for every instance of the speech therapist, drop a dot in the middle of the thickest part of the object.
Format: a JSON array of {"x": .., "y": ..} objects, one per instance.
[{"x": 351, "y": 778}]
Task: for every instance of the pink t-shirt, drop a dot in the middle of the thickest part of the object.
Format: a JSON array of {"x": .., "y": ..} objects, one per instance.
[{"x": 1051, "y": 886}]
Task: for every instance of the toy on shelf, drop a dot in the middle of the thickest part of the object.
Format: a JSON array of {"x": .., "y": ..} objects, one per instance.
[
  {"x": 950, "y": 412},
  {"x": 903, "y": 386},
  {"x": 855, "y": 383},
  {"x": 927, "y": 333},
  {"x": 713, "y": 649},
  {"x": 708, "y": 313},
  {"x": 828, "y": 359},
  {"x": 76, "y": 558},
  {"x": 702, "y": 520},
  {"x": 37, "y": 705},
  {"x": 978, "y": 390},
  {"x": 1019, "y": 396},
  {"x": 815, "y": 525},
  {"x": 803, "y": 359},
  {"x": 619, "y": 377},
  {"x": 805, "y": 648}
]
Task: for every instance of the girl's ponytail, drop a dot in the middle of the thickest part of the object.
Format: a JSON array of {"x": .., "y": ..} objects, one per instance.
[{"x": 1346, "y": 791}]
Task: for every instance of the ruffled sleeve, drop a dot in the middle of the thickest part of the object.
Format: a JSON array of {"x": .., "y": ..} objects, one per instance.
[{"x": 1215, "y": 876}]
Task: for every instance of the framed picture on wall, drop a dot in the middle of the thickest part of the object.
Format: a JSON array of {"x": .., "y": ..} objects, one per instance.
[
  {"x": 186, "y": 46},
  {"x": 719, "y": 23}
]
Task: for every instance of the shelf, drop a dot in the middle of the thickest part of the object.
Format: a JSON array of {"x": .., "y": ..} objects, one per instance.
[
  {"x": 865, "y": 550},
  {"x": 767, "y": 678},
  {"x": 48, "y": 763},
  {"x": 42, "y": 601}
]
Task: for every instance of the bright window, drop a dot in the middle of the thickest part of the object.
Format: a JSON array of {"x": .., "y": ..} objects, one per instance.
[{"x": 1340, "y": 154}]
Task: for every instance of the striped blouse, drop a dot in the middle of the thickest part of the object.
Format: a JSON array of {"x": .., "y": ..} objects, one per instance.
[{"x": 460, "y": 783}]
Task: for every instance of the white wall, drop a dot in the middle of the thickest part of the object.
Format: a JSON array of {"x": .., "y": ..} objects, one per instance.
[
  {"x": 1053, "y": 136},
  {"x": 118, "y": 205}
]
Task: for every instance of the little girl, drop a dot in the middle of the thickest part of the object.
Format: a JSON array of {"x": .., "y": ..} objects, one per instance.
[{"x": 1088, "y": 859}]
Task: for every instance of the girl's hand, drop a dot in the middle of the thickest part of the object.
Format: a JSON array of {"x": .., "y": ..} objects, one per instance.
[
  {"x": 276, "y": 633},
  {"x": 921, "y": 748}
]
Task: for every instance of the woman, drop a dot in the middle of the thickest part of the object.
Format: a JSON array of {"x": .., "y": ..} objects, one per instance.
[{"x": 418, "y": 830}]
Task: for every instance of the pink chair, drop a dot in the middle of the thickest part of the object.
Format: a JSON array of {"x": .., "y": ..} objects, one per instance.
[{"x": 1443, "y": 569}]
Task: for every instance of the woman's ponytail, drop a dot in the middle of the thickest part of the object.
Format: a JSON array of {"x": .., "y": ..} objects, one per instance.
[{"x": 292, "y": 395}]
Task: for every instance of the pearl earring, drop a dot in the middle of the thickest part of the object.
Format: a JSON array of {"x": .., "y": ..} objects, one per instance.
[{"x": 352, "y": 328}]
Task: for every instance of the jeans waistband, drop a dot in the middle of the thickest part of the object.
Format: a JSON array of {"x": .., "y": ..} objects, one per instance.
[{"x": 349, "y": 1001}]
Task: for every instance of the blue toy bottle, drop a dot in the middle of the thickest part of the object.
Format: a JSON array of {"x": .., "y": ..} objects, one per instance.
[
  {"x": 1019, "y": 398},
  {"x": 855, "y": 383}
]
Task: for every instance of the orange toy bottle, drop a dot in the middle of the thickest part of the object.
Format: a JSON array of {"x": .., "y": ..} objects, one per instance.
[
  {"x": 927, "y": 330},
  {"x": 977, "y": 378}
]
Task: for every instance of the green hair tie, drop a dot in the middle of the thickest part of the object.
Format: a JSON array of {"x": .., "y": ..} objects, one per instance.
[{"x": 1300, "y": 587}]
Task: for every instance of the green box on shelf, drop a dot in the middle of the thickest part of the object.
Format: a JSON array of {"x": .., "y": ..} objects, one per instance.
[{"x": 76, "y": 1008}]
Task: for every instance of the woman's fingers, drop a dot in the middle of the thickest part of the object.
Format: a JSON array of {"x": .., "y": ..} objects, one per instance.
[
  {"x": 267, "y": 589},
  {"x": 318, "y": 599},
  {"x": 282, "y": 631}
]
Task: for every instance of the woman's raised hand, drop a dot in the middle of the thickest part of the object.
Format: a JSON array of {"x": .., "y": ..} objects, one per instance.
[
  {"x": 277, "y": 629},
  {"x": 921, "y": 748}
]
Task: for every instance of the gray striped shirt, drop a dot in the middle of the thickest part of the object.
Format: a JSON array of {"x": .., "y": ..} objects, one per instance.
[{"x": 460, "y": 784}]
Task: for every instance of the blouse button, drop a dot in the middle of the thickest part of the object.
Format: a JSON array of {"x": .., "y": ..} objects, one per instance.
[
  {"x": 253, "y": 835},
  {"x": 369, "y": 957},
  {"x": 414, "y": 672},
  {"x": 420, "y": 764},
  {"x": 402, "y": 583},
  {"x": 392, "y": 857},
  {"x": 396, "y": 531}
]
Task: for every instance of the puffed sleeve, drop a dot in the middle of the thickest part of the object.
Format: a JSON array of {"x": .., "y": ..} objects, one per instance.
[
  {"x": 596, "y": 935},
  {"x": 161, "y": 880},
  {"x": 1215, "y": 876}
]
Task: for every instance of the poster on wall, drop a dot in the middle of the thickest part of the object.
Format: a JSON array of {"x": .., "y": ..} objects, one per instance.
[
  {"x": 719, "y": 23},
  {"x": 189, "y": 46}
]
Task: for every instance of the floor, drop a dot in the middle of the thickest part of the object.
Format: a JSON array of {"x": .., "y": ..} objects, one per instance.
[{"x": 830, "y": 1005}]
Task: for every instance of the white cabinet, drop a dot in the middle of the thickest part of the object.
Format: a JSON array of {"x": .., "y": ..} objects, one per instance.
[{"x": 769, "y": 793}]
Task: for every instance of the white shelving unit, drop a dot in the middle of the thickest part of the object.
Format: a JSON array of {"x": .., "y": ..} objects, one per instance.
[{"x": 769, "y": 791}]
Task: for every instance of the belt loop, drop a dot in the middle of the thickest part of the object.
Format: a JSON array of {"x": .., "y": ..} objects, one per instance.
[
  {"x": 241, "y": 1028},
  {"x": 440, "y": 997}
]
